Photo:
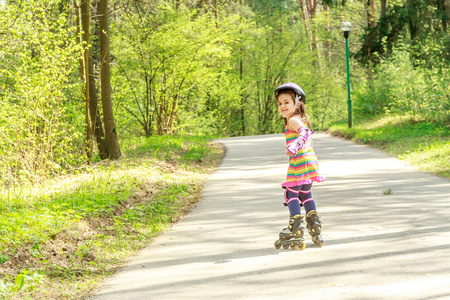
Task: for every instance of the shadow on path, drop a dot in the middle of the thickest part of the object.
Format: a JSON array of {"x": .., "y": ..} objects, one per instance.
[{"x": 376, "y": 246}]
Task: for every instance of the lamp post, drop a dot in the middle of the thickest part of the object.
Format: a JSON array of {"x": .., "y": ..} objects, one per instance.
[{"x": 346, "y": 26}]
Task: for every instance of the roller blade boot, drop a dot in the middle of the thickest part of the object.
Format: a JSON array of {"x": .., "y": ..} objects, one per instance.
[
  {"x": 314, "y": 226},
  {"x": 292, "y": 236}
]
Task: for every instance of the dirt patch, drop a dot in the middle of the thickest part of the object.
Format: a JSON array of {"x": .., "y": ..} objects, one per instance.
[{"x": 335, "y": 133}]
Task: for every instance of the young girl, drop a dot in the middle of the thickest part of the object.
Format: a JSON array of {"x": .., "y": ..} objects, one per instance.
[{"x": 303, "y": 169}]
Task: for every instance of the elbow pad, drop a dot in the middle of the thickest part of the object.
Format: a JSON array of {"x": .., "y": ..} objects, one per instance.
[{"x": 303, "y": 135}]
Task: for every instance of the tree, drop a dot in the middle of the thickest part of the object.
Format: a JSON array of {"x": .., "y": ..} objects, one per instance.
[
  {"x": 94, "y": 111},
  {"x": 94, "y": 126},
  {"x": 39, "y": 129},
  {"x": 112, "y": 142},
  {"x": 84, "y": 24},
  {"x": 165, "y": 75},
  {"x": 420, "y": 19}
]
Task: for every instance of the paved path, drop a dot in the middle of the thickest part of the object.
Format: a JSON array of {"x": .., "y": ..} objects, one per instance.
[{"x": 376, "y": 246}]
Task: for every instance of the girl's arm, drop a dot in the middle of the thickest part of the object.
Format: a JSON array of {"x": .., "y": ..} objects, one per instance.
[
  {"x": 295, "y": 124},
  {"x": 303, "y": 135}
]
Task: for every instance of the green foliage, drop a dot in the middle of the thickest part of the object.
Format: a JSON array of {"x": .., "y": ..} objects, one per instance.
[
  {"x": 387, "y": 192},
  {"x": 413, "y": 22},
  {"x": 399, "y": 87},
  {"x": 25, "y": 281},
  {"x": 282, "y": 47},
  {"x": 216, "y": 112},
  {"x": 3, "y": 258},
  {"x": 180, "y": 67},
  {"x": 168, "y": 70},
  {"x": 39, "y": 136},
  {"x": 185, "y": 149}
]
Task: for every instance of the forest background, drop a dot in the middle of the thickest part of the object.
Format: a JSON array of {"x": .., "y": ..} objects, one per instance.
[
  {"x": 108, "y": 107},
  {"x": 78, "y": 77}
]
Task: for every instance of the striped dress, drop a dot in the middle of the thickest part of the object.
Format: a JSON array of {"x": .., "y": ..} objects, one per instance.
[{"x": 304, "y": 166}]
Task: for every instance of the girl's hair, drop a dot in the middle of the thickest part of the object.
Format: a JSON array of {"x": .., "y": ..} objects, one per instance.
[{"x": 300, "y": 109}]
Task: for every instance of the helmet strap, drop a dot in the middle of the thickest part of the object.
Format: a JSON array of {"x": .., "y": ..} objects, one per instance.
[{"x": 297, "y": 98}]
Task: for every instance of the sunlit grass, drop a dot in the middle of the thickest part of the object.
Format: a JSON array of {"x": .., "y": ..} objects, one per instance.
[
  {"x": 431, "y": 156},
  {"x": 424, "y": 145},
  {"x": 68, "y": 232}
]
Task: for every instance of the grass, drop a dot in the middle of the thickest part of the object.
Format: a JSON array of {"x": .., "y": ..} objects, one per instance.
[
  {"x": 423, "y": 145},
  {"x": 60, "y": 238}
]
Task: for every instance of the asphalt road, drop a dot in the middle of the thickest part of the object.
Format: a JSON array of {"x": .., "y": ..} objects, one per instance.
[{"x": 377, "y": 246}]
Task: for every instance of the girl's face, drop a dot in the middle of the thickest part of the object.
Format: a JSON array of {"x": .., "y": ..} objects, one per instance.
[{"x": 285, "y": 105}]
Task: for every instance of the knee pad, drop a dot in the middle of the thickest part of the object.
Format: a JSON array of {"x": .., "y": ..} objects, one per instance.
[
  {"x": 290, "y": 194},
  {"x": 305, "y": 195}
]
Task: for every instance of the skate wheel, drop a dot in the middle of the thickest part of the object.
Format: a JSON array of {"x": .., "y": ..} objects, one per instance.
[
  {"x": 302, "y": 245},
  {"x": 293, "y": 247},
  {"x": 318, "y": 240},
  {"x": 277, "y": 245},
  {"x": 285, "y": 247}
]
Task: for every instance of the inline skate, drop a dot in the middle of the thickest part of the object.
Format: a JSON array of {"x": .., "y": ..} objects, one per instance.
[
  {"x": 292, "y": 235},
  {"x": 314, "y": 226}
]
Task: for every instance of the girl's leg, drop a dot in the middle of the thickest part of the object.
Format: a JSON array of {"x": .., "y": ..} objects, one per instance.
[
  {"x": 292, "y": 235},
  {"x": 313, "y": 222},
  {"x": 291, "y": 196},
  {"x": 306, "y": 198}
]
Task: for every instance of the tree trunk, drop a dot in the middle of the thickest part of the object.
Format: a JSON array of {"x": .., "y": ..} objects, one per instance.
[
  {"x": 216, "y": 12},
  {"x": 312, "y": 11},
  {"x": 372, "y": 14},
  {"x": 444, "y": 10},
  {"x": 96, "y": 120},
  {"x": 303, "y": 8},
  {"x": 112, "y": 142},
  {"x": 327, "y": 30},
  {"x": 314, "y": 8},
  {"x": 306, "y": 9},
  {"x": 429, "y": 13},
  {"x": 383, "y": 8},
  {"x": 85, "y": 38}
]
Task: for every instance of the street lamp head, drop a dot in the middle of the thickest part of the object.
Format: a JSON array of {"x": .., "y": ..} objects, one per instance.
[{"x": 346, "y": 26}]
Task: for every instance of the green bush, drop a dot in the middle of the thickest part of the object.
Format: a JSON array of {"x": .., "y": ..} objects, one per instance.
[
  {"x": 401, "y": 88},
  {"x": 39, "y": 131}
]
